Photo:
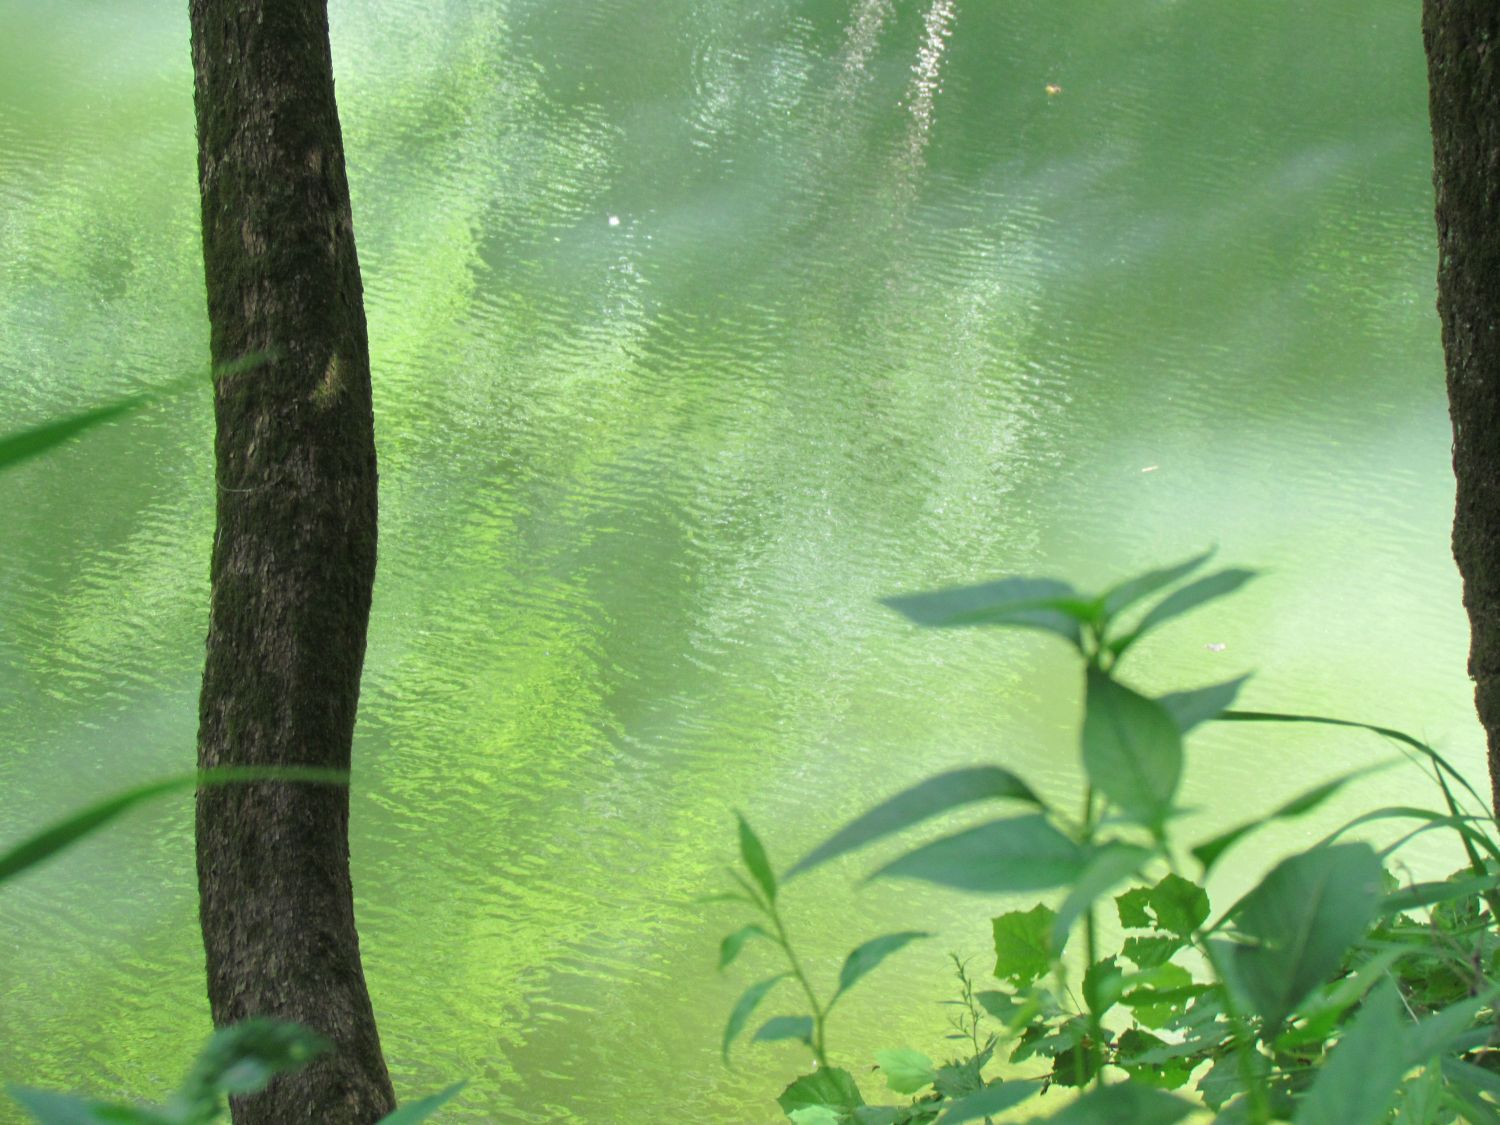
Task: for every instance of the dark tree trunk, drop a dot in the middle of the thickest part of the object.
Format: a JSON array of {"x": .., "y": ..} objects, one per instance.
[
  {"x": 1463, "y": 67},
  {"x": 294, "y": 549}
]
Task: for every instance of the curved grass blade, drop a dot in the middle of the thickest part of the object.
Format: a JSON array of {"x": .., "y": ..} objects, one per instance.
[
  {"x": 921, "y": 802},
  {"x": 1209, "y": 852},
  {"x": 71, "y": 829},
  {"x": 1024, "y": 853}
]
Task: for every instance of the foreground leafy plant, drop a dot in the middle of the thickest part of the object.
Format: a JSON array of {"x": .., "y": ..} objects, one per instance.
[{"x": 1327, "y": 993}]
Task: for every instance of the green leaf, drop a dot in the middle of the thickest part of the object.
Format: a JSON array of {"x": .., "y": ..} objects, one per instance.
[
  {"x": 1103, "y": 985},
  {"x": 1443, "y": 890},
  {"x": 241, "y": 1059},
  {"x": 785, "y": 1027},
  {"x": 1187, "y": 598},
  {"x": 1437, "y": 1033},
  {"x": 871, "y": 954},
  {"x": 960, "y": 1079},
  {"x": 1149, "y": 952},
  {"x": 730, "y": 947},
  {"x": 1024, "y": 853},
  {"x": 828, "y": 1086},
  {"x": 997, "y": 1097},
  {"x": 920, "y": 802},
  {"x": 1124, "y": 1104},
  {"x": 754, "y": 856},
  {"x": 1421, "y": 1099},
  {"x": 1209, "y": 852},
  {"x": 71, "y": 829},
  {"x": 906, "y": 1071},
  {"x": 745, "y": 1008},
  {"x": 1181, "y": 906},
  {"x": 1127, "y": 593},
  {"x": 1300, "y": 921},
  {"x": 1034, "y": 603},
  {"x": 423, "y": 1108},
  {"x": 1358, "y": 1082},
  {"x": 1132, "y": 749},
  {"x": 815, "y": 1115},
  {"x": 1190, "y": 708},
  {"x": 51, "y": 1108},
  {"x": 1109, "y": 864},
  {"x": 1022, "y": 944},
  {"x": 1147, "y": 1059}
]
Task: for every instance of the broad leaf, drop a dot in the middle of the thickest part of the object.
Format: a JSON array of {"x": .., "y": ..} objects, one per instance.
[
  {"x": 1132, "y": 749},
  {"x": 1358, "y": 1083},
  {"x": 920, "y": 802},
  {"x": 1190, "y": 708},
  {"x": 1024, "y": 853},
  {"x": 785, "y": 1027},
  {"x": 1023, "y": 950},
  {"x": 1109, "y": 865},
  {"x": 422, "y": 1108},
  {"x": 829, "y": 1086},
  {"x": 51, "y": 1108},
  {"x": 745, "y": 1008},
  {"x": 1036, "y": 603},
  {"x": 871, "y": 954},
  {"x": 906, "y": 1071},
  {"x": 1437, "y": 1033},
  {"x": 1181, "y": 601},
  {"x": 241, "y": 1059},
  {"x": 73, "y": 828},
  {"x": 1103, "y": 985},
  {"x": 816, "y": 1115},
  {"x": 753, "y": 853},
  {"x": 997, "y": 1097},
  {"x": 730, "y": 947},
  {"x": 1124, "y": 1104},
  {"x": 1300, "y": 921}
]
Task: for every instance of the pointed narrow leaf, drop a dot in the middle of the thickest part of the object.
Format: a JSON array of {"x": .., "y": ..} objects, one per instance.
[
  {"x": 1132, "y": 590},
  {"x": 921, "y": 802},
  {"x": 1209, "y": 852},
  {"x": 1025, "y": 853},
  {"x": 1187, "y": 598},
  {"x": 26, "y": 444},
  {"x": 754, "y": 855},
  {"x": 784, "y": 1027},
  {"x": 1301, "y": 919},
  {"x": 871, "y": 954},
  {"x": 1125, "y": 1104},
  {"x": 906, "y": 1071},
  {"x": 997, "y": 1097},
  {"x": 49, "y": 1108},
  {"x": 423, "y": 1108},
  {"x": 1437, "y": 1033},
  {"x": 745, "y": 1008},
  {"x": 1444, "y": 890},
  {"x": 1189, "y": 708},
  {"x": 730, "y": 947},
  {"x": 1036, "y": 603},
  {"x": 1358, "y": 1083},
  {"x": 1132, "y": 749},
  {"x": 1109, "y": 865}
]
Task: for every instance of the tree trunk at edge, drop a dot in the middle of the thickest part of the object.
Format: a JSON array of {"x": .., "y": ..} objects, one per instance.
[
  {"x": 1463, "y": 66},
  {"x": 294, "y": 549}
]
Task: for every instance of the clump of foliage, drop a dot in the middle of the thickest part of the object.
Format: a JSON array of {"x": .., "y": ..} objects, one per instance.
[{"x": 1328, "y": 993}]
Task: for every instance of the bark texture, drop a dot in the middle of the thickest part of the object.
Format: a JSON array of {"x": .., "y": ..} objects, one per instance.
[
  {"x": 1462, "y": 38},
  {"x": 294, "y": 549}
]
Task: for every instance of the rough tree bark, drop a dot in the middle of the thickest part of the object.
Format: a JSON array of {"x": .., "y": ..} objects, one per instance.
[
  {"x": 1462, "y": 38},
  {"x": 294, "y": 549}
]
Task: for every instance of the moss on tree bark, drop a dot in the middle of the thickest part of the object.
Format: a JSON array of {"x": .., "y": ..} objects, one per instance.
[{"x": 294, "y": 548}]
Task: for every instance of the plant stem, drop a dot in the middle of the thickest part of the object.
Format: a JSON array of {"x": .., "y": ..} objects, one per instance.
[{"x": 818, "y": 1011}]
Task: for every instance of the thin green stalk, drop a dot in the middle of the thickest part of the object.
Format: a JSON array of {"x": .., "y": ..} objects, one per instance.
[{"x": 819, "y": 1012}]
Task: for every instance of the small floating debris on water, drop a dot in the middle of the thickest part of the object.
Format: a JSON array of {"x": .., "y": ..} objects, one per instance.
[
  {"x": 1053, "y": 89},
  {"x": 1150, "y": 468},
  {"x": 614, "y": 220},
  {"x": 1214, "y": 646}
]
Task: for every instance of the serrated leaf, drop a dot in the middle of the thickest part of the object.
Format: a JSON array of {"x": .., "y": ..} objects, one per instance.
[
  {"x": 1024, "y": 853},
  {"x": 865, "y": 958},
  {"x": 1183, "y": 600},
  {"x": 1022, "y": 944},
  {"x": 1132, "y": 905},
  {"x": 1190, "y": 708},
  {"x": 422, "y": 1108},
  {"x": 906, "y": 1071},
  {"x": 1132, "y": 749},
  {"x": 730, "y": 947},
  {"x": 1109, "y": 864},
  {"x": 828, "y": 1086},
  {"x": 1149, "y": 952},
  {"x": 778, "y": 1028},
  {"x": 1181, "y": 906},
  {"x": 1357, "y": 1084},
  {"x": 745, "y": 1008},
  {"x": 997, "y": 1097},
  {"x": 753, "y": 853},
  {"x": 1300, "y": 920},
  {"x": 921, "y": 802},
  {"x": 1034, "y": 603}
]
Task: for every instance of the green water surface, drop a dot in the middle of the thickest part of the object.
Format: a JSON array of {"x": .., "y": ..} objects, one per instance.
[{"x": 698, "y": 326}]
